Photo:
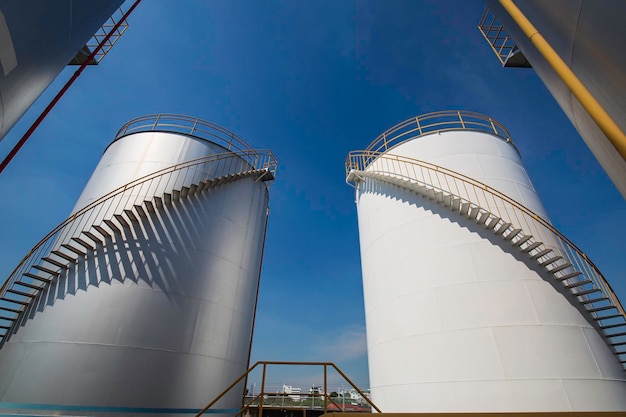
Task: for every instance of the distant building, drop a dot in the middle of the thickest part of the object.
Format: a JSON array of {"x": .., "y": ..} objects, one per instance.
[{"x": 293, "y": 392}]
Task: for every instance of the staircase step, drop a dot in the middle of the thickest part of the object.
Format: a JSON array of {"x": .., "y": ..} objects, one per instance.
[
  {"x": 612, "y": 316},
  {"x": 612, "y": 326},
  {"x": 578, "y": 284},
  {"x": 7, "y": 318},
  {"x": 456, "y": 203},
  {"x": 131, "y": 216},
  {"x": 29, "y": 285},
  {"x": 122, "y": 221},
  {"x": 167, "y": 198},
  {"x": 63, "y": 255},
  {"x": 83, "y": 243},
  {"x": 184, "y": 192},
  {"x": 158, "y": 201},
  {"x": 474, "y": 212},
  {"x": 551, "y": 260},
  {"x": 73, "y": 249},
  {"x": 46, "y": 270},
  {"x": 512, "y": 234},
  {"x": 560, "y": 267},
  {"x": 618, "y": 344},
  {"x": 493, "y": 222},
  {"x": 201, "y": 186},
  {"x": 532, "y": 246},
  {"x": 192, "y": 189},
  {"x": 594, "y": 300},
  {"x": 483, "y": 217},
  {"x": 175, "y": 195},
  {"x": 54, "y": 262},
  {"x": 523, "y": 240},
  {"x": 503, "y": 228},
  {"x": 541, "y": 253},
  {"x": 37, "y": 277},
  {"x": 593, "y": 310},
  {"x": 464, "y": 208},
  {"x": 616, "y": 334},
  {"x": 5, "y": 327},
  {"x": 140, "y": 211},
  {"x": 12, "y": 310},
  {"x": 114, "y": 227},
  {"x": 24, "y": 303},
  {"x": 585, "y": 292},
  {"x": 104, "y": 232},
  {"x": 22, "y": 293},
  {"x": 570, "y": 275},
  {"x": 93, "y": 237}
]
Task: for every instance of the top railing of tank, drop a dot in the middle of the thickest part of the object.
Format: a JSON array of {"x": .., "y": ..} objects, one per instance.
[
  {"x": 178, "y": 123},
  {"x": 438, "y": 122}
]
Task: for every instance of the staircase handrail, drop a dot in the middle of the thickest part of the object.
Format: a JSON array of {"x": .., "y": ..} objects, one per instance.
[
  {"x": 441, "y": 121},
  {"x": 363, "y": 160},
  {"x": 188, "y": 125},
  {"x": 262, "y": 160}
]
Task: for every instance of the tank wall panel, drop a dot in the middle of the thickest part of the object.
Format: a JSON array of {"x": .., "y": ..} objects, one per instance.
[
  {"x": 459, "y": 321},
  {"x": 158, "y": 316}
]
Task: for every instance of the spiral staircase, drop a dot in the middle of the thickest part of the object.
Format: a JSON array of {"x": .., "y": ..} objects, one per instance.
[
  {"x": 523, "y": 229},
  {"x": 77, "y": 237}
]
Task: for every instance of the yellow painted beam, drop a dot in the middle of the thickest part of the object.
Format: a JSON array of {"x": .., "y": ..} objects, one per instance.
[{"x": 604, "y": 121}]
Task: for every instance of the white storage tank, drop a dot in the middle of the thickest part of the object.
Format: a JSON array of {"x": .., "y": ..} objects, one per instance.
[
  {"x": 144, "y": 300},
  {"x": 473, "y": 301}
]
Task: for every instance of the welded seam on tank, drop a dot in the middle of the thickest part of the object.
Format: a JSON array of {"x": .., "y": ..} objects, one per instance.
[{"x": 123, "y": 346}]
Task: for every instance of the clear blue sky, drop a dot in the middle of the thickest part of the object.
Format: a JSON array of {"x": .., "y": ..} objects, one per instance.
[{"x": 311, "y": 81}]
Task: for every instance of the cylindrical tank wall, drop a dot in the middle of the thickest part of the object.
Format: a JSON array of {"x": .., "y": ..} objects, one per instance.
[
  {"x": 457, "y": 320},
  {"x": 159, "y": 316},
  {"x": 587, "y": 35},
  {"x": 40, "y": 37}
]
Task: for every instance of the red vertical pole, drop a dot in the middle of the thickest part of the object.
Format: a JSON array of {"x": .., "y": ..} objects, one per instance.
[{"x": 67, "y": 85}]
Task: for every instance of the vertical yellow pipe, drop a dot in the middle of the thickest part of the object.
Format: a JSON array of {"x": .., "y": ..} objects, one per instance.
[{"x": 604, "y": 121}]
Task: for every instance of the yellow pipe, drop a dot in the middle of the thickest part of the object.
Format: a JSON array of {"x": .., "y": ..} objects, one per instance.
[{"x": 604, "y": 121}]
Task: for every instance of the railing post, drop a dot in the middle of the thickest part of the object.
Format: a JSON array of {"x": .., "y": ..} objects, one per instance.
[
  {"x": 461, "y": 119},
  {"x": 156, "y": 121},
  {"x": 260, "y": 414}
]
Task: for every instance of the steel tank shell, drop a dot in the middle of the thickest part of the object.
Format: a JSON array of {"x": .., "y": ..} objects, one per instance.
[
  {"x": 455, "y": 321},
  {"x": 38, "y": 38},
  {"x": 161, "y": 319},
  {"x": 589, "y": 36}
]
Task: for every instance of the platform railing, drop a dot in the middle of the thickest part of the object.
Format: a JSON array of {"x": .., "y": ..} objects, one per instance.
[
  {"x": 438, "y": 122},
  {"x": 192, "y": 126},
  {"x": 146, "y": 188},
  {"x": 257, "y": 400},
  {"x": 480, "y": 196}
]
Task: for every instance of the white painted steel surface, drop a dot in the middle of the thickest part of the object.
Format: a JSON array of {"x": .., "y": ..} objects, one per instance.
[
  {"x": 456, "y": 320},
  {"x": 589, "y": 36},
  {"x": 161, "y": 318}
]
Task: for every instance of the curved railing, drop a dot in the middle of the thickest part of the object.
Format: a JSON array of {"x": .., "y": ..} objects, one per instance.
[
  {"x": 192, "y": 126},
  {"x": 441, "y": 121},
  {"x": 167, "y": 180},
  {"x": 500, "y": 211}
]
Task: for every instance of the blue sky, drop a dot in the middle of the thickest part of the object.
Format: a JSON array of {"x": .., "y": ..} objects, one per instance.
[{"x": 311, "y": 81}]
